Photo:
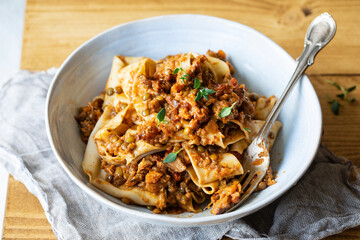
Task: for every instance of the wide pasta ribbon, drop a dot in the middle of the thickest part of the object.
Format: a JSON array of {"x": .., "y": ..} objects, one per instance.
[
  {"x": 215, "y": 137},
  {"x": 117, "y": 136},
  {"x": 207, "y": 178},
  {"x": 254, "y": 128},
  {"x": 121, "y": 125},
  {"x": 91, "y": 166}
]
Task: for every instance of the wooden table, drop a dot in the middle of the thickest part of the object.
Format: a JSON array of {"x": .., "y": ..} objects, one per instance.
[{"x": 53, "y": 29}]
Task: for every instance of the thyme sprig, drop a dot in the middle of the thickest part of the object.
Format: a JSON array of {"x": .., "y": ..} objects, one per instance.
[
  {"x": 344, "y": 95},
  {"x": 344, "y": 92},
  {"x": 184, "y": 75},
  {"x": 204, "y": 92}
]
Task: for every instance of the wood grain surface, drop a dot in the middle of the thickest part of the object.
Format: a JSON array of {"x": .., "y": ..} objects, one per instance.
[
  {"x": 25, "y": 218},
  {"x": 53, "y": 29},
  {"x": 51, "y": 26}
]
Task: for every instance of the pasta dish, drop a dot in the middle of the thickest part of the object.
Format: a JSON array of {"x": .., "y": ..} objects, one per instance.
[{"x": 169, "y": 134}]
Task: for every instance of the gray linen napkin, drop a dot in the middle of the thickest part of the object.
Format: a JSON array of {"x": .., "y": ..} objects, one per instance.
[{"x": 326, "y": 201}]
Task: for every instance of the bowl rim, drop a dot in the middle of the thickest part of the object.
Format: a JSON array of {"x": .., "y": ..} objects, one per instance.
[{"x": 162, "y": 218}]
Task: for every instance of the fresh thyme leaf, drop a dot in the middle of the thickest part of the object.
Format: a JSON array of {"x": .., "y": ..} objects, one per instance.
[
  {"x": 226, "y": 111},
  {"x": 341, "y": 95},
  {"x": 176, "y": 70},
  {"x": 341, "y": 88},
  {"x": 204, "y": 92},
  {"x": 335, "y": 106},
  {"x": 198, "y": 96},
  {"x": 161, "y": 116},
  {"x": 185, "y": 74},
  {"x": 335, "y": 84},
  {"x": 246, "y": 129},
  {"x": 171, "y": 156},
  {"x": 207, "y": 91},
  {"x": 350, "y": 89},
  {"x": 197, "y": 83}
]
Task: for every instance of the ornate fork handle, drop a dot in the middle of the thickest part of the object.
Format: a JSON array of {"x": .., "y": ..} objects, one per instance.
[{"x": 321, "y": 30}]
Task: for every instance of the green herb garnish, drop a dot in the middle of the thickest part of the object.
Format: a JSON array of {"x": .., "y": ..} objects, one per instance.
[
  {"x": 335, "y": 84},
  {"x": 183, "y": 77},
  {"x": 204, "y": 92},
  {"x": 185, "y": 74},
  {"x": 226, "y": 111},
  {"x": 161, "y": 116},
  {"x": 246, "y": 129},
  {"x": 197, "y": 83},
  {"x": 176, "y": 70},
  {"x": 350, "y": 89},
  {"x": 171, "y": 156},
  {"x": 335, "y": 105},
  {"x": 345, "y": 92}
]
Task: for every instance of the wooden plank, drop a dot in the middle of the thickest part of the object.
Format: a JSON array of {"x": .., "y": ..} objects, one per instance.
[
  {"x": 53, "y": 29},
  {"x": 341, "y": 135},
  {"x": 353, "y": 234},
  {"x": 342, "y": 132},
  {"x": 24, "y": 217}
]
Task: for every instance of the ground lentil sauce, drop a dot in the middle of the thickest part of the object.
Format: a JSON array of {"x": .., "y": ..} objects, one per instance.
[{"x": 176, "y": 94}]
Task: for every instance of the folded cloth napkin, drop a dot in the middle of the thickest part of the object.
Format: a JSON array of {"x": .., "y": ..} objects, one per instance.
[{"x": 326, "y": 201}]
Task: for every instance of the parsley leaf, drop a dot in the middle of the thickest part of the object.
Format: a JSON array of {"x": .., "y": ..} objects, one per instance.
[
  {"x": 171, "y": 156},
  {"x": 161, "y": 116},
  {"x": 197, "y": 83},
  {"x": 226, "y": 111}
]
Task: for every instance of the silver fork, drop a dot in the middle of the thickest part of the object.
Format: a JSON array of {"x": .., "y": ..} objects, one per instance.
[{"x": 256, "y": 158}]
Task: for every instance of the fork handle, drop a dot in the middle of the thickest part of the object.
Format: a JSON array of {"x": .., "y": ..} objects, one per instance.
[{"x": 321, "y": 30}]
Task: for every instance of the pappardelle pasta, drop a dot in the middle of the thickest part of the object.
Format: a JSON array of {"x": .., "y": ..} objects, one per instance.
[{"x": 170, "y": 134}]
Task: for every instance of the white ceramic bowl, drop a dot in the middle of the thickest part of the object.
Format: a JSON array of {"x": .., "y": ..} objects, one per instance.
[{"x": 259, "y": 63}]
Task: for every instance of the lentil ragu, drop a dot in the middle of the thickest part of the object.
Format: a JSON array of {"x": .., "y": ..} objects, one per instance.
[
  {"x": 191, "y": 125},
  {"x": 88, "y": 116}
]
